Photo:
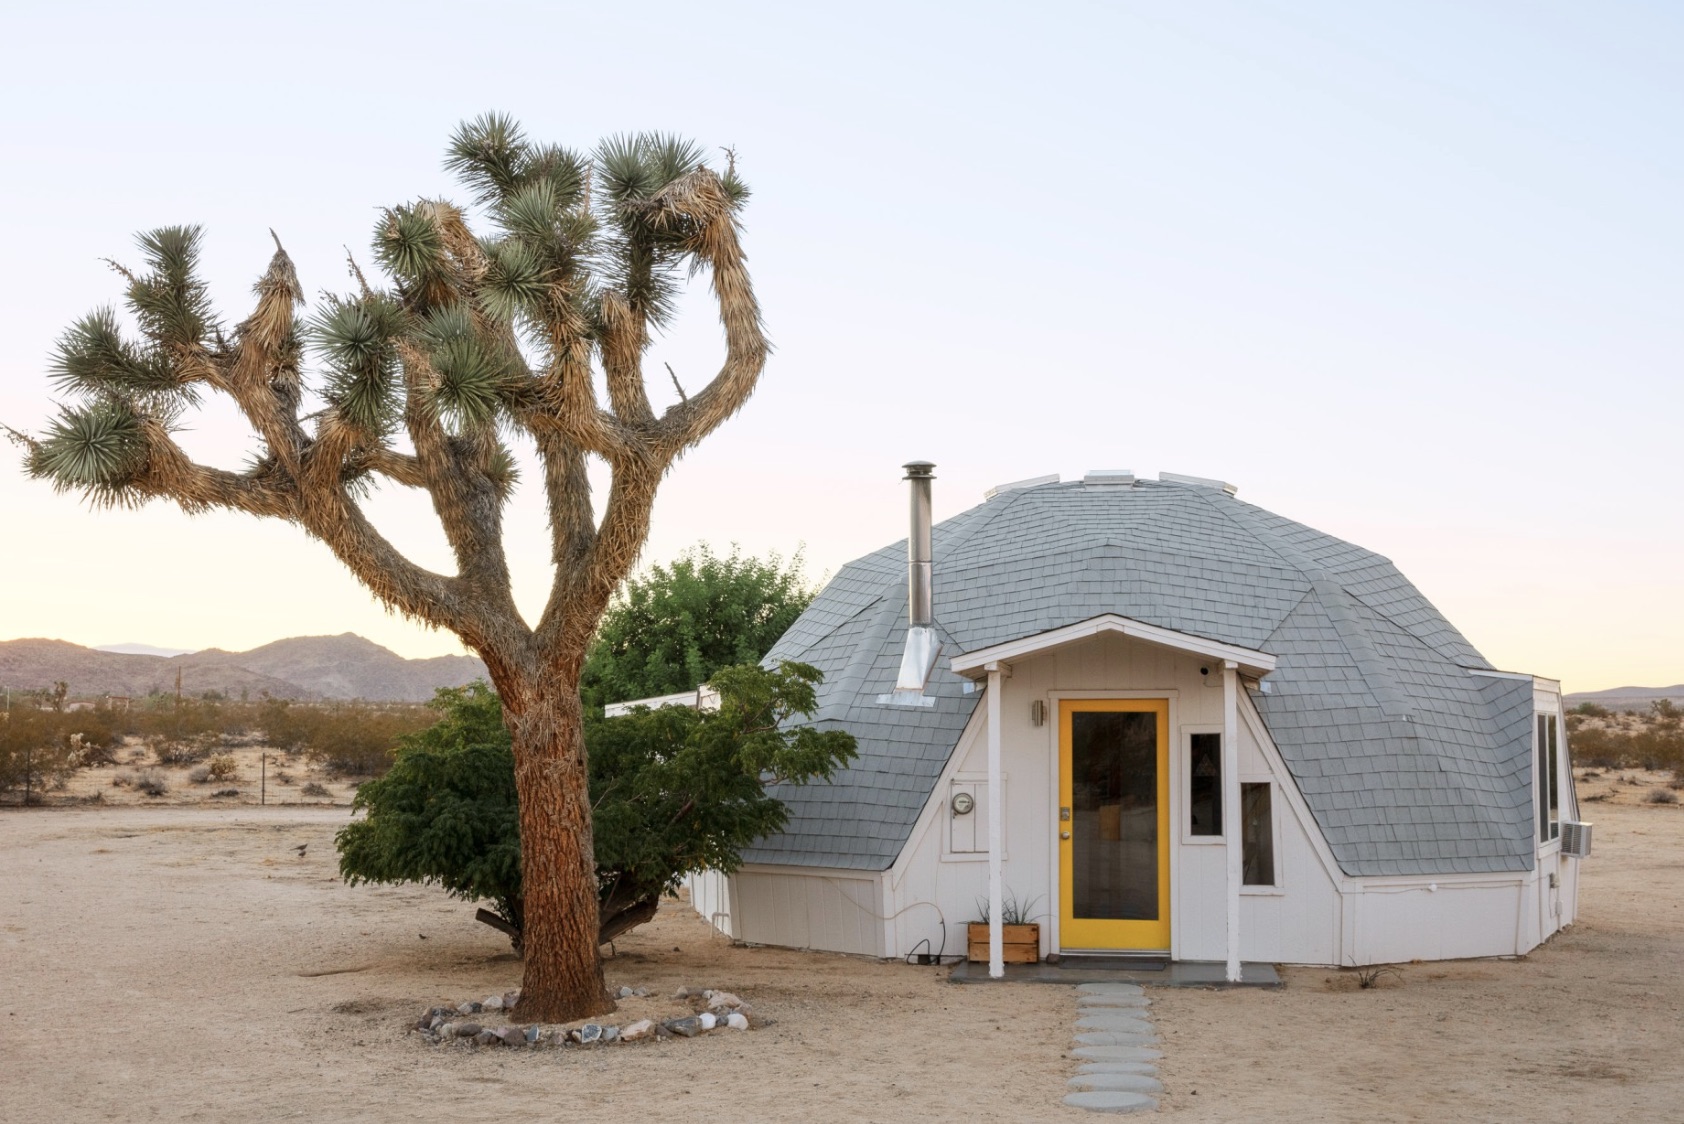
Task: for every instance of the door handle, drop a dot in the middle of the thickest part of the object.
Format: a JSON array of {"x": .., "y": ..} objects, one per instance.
[{"x": 1064, "y": 835}]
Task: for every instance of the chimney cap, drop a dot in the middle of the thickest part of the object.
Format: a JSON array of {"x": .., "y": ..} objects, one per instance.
[{"x": 919, "y": 469}]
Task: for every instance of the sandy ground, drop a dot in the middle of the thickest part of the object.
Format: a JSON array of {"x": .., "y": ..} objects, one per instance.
[{"x": 180, "y": 962}]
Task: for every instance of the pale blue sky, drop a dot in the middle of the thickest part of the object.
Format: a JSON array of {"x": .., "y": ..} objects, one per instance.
[{"x": 1407, "y": 273}]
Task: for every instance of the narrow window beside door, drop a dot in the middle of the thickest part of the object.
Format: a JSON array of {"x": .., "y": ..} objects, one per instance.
[
  {"x": 1257, "y": 834},
  {"x": 1204, "y": 785}
]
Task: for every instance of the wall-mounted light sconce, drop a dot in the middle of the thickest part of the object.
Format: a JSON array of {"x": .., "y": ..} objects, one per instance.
[{"x": 1038, "y": 711}]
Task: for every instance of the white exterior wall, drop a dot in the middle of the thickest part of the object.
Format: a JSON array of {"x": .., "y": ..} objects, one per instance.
[
  {"x": 836, "y": 911},
  {"x": 1313, "y": 915},
  {"x": 710, "y": 896}
]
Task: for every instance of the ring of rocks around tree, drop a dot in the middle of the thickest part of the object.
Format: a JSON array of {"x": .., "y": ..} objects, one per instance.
[{"x": 464, "y": 1025}]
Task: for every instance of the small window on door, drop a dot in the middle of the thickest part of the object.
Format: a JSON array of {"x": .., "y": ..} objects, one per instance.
[
  {"x": 1204, "y": 785},
  {"x": 1257, "y": 833}
]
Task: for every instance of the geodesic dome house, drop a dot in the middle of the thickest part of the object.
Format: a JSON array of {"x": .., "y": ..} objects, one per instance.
[{"x": 1172, "y": 723}]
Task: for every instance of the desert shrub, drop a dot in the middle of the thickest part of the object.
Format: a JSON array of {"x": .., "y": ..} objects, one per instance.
[
  {"x": 200, "y": 774},
  {"x": 222, "y": 767},
  {"x": 122, "y": 779},
  {"x": 223, "y": 793},
  {"x": 348, "y": 739},
  {"x": 1588, "y": 710},
  {"x": 1661, "y": 796},
  {"x": 152, "y": 783},
  {"x": 90, "y": 755},
  {"x": 178, "y": 753},
  {"x": 314, "y": 790},
  {"x": 35, "y": 750},
  {"x": 283, "y": 777}
]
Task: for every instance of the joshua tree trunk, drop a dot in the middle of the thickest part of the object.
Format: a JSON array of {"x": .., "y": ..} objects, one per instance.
[
  {"x": 420, "y": 383},
  {"x": 563, "y": 973}
]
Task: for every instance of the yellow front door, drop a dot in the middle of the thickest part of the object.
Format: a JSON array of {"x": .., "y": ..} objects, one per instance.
[{"x": 1113, "y": 829}]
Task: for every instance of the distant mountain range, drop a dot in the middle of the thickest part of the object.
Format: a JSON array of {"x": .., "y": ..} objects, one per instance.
[
  {"x": 303, "y": 667},
  {"x": 1627, "y": 698}
]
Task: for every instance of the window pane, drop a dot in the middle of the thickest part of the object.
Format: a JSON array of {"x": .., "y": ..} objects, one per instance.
[
  {"x": 1114, "y": 797},
  {"x": 1204, "y": 771},
  {"x": 1257, "y": 835},
  {"x": 1543, "y": 781},
  {"x": 1554, "y": 786}
]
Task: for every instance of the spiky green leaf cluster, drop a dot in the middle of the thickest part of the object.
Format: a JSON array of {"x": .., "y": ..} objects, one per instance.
[
  {"x": 96, "y": 448},
  {"x": 171, "y": 303},
  {"x": 407, "y": 244},
  {"x": 356, "y": 340}
]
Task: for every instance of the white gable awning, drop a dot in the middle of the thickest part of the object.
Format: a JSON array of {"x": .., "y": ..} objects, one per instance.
[{"x": 974, "y": 665}]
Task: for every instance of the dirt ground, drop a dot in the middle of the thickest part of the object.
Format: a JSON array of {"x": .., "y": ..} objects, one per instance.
[{"x": 183, "y": 962}]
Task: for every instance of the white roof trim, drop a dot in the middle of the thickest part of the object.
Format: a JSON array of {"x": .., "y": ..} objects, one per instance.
[
  {"x": 702, "y": 698},
  {"x": 973, "y": 664}
]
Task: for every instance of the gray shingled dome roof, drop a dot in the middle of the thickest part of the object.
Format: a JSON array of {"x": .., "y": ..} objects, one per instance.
[{"x": 1410, "y": 762}]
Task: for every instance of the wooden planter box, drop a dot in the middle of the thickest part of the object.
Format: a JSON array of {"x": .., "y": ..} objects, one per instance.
[{"x": 1019, "y": 944}]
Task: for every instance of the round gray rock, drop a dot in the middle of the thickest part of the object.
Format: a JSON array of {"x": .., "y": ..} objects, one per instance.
[
  {"x": 1111, "y": 1102},
  {"x": 1115, "y": 1083}
]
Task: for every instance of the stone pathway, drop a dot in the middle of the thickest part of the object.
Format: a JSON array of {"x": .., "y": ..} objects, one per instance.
[{"x": 1117, "y": 1045}]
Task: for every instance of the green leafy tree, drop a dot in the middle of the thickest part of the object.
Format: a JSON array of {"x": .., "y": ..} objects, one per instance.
[
  {"x": 675, "y": 790},
  {"x": 461, "y": 339},
  {"x": 670, "y": 629}
]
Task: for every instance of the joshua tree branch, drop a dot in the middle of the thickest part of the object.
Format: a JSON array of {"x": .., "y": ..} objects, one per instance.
[{"x": 714, "y": 241}]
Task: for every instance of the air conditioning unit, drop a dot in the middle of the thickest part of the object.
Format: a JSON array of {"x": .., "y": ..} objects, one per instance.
[{"x": 1575, "y": 839}]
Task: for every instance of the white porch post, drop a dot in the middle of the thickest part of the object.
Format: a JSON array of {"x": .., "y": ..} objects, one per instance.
[
  {"x": 996, "y": 952},
  {"x": 1231, "y": 808}
]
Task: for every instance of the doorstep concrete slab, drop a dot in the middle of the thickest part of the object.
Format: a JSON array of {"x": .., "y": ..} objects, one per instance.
[{"x": 1073, "y": 970}]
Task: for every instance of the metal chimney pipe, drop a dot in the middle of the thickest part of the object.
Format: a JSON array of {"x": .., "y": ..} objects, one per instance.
[{"x": 920, "y": 609}]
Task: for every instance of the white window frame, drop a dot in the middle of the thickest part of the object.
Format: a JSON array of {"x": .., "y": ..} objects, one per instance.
[
  {"x": 1183, "y": 767},
  {"x": 1277, "y": 888}
]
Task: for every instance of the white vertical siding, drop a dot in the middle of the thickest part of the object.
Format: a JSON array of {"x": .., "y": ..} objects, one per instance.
[
  {"x": 802, "y": 909},
  {"x": 710, "y": 896}
]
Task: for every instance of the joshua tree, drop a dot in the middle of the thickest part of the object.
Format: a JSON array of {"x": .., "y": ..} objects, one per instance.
[{"x": 474, "y": 339}]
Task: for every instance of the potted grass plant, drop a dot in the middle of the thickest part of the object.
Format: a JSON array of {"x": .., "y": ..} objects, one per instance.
[{"x": 1020, "y": 938}]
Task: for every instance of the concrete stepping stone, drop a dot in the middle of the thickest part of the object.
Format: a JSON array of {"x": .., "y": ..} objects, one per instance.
[
  {"x": 1112, "y": 1002},
  {"x": 1111, "y": 1102},
  {"x": 1117, "y": 1053},
  {"x": 1112, "y": 1022},
  {"x": 1140, "y": 1069},
  {"x": 1116, "y": 1083},
  {"x": 1109, "y": 989},
  {"x": 1114, "y": 1038}
]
